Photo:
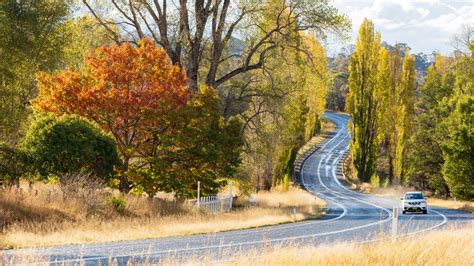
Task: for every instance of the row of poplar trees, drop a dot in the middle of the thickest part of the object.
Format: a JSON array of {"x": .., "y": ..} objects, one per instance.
[
  {"x": 420, "y": 137},
  {"x": 381, "y": 101}
]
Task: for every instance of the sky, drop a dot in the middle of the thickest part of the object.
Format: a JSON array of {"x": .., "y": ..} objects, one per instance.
[{"x": 426, "y": 26}]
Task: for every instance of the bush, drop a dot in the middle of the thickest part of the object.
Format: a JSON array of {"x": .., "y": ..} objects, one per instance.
[
  {"x": 85, "y": 190},
  {"x": 69, "y": 144},
  {"x": 117, "y": 203},
  {"x": 286, "y": 182},
  {"x": 375, "y": 181},
  {"x": 13, "y": 164}
]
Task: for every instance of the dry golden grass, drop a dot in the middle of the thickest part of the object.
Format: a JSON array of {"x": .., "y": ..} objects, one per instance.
[
  {"x": 44, "y": 218},
  {"x": 447, "y": 247},
  {"x": 293, "y": 197},
  {"x": 329, "y": 126},
  {"x": 451, "y": 204}
]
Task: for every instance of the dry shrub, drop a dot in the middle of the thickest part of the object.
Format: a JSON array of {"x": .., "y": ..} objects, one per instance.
[
  {"x": 85, "y": 193},
  {"x": 76, "y": 199},
  {"x": 19, "y": 207}
]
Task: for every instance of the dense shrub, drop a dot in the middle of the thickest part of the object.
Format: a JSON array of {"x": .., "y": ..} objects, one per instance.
[
  {"x": 13, "y": 164},
  {"x": 118, "y": 203},
  {"x": 69, "y": 144}
]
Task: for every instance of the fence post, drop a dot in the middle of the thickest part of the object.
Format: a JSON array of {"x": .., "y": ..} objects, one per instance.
[
  {"x": 294, "y": 214},
  {"x": 199, "y": 195},
  {"x": 230, "y": 195},
  {"x": 395, "y": 224}
]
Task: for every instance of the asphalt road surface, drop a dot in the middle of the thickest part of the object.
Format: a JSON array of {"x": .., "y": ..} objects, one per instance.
[{"x": 351, "y": 216}]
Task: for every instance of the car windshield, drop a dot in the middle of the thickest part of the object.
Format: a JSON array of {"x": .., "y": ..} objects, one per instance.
[{"x": 414, "y": 196}]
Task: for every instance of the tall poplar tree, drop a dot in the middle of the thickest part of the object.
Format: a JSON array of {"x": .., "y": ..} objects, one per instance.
[
  {"x": 396, "y": 62},
  {"x": 404, "y": 114},
  {"x": 362, "y": 102}
]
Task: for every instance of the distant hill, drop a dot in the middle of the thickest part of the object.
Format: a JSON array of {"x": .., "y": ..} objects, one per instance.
[
  {"x": 422, "y": 60},
  {"x": 339, "y": 66}
]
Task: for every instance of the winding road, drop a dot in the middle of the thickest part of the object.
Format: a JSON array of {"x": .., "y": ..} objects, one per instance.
[{"x": 351, "y": 216}]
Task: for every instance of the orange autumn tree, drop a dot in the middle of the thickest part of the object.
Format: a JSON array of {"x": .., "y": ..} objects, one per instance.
[{"x": 130, "y": 92}]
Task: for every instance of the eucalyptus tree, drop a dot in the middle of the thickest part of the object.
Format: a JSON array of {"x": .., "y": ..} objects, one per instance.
[{"x": 203, "y": 35}]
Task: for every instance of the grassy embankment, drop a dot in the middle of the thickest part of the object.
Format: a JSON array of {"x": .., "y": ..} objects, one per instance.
[
  {"x": 59, "y": 215},
  {"x": 446, "y": 247},
  {"x": 47, "y": 216},
  {"x": 451, "y": 246}
]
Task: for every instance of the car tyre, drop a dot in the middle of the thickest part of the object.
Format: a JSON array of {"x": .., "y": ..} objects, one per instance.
[
  {"x": 404, "y": 212},
  {"x": 425, "y": 212}
]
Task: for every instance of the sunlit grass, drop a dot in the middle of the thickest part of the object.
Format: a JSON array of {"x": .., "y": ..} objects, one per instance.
[
  {"x": 446, "y": 247},
  {"x": 37, "y": 219}
]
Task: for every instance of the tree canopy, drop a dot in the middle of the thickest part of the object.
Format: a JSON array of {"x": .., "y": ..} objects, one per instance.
[{"x": 128, "y": 91}]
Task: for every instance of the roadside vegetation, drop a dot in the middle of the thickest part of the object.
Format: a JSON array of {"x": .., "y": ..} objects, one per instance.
[
  {"x": 450, "y": 246},
  {"x": 112, "y": 113},
  {"x": 98, "y": 120},
  {"x": 406, "y": 132},
  {"x": 445, "y": 247},
  {"x": 83, "y": 212}
]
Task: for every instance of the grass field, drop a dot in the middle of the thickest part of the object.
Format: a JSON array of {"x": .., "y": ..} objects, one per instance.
[
  {"x": 446, "y": 247},
  {"x": 45, "y": 216}
]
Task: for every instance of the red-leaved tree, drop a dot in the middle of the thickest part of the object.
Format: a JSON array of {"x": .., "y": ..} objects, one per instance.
[{"x": 130, "y": 92}]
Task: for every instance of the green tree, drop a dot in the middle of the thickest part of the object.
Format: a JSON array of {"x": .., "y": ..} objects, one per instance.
[
  {"x": 286, "y": 103},
  {"x": 458, "y": 144},
  {"x": 458, "y": 149},
  {"x": 362, "y": 102},
  {"x": 32, "y": 39},
  {"x": 69, "y": 144},
  {"x": 206, "y": 32},
  {"x": 83, "y": 34},
  {"x": 14, "y": 164},
  {"x": 404, "y": 112},
  {"x": 441, "y": 153},
  {"x": 425, "y": 157},
  {"x": 202, "y": 148},
  {"x": 391, "y": 108}
]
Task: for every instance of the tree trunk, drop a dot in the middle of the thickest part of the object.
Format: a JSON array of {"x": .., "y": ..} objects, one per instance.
[
  {"x": 192, "y": 73},
  {"x": 124, "y": 185},
  {"x": 390, "y": 168}
]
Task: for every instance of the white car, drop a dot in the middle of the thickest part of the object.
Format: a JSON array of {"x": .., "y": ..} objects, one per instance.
[{"x": 414, "y": 202}]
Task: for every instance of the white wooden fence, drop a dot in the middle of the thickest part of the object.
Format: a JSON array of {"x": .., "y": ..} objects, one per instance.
[{"x": 213, "y": 204}]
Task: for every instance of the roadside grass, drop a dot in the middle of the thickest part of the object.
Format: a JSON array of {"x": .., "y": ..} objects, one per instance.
[
  {"x": 84, "y": 212},
  {"x": 46, "y": 216},
  {"x": 445, "y": 247},
  {"x": 452, "y": 204}
]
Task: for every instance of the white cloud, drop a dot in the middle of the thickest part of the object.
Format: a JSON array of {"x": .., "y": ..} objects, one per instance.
[
  {"x": 423, "y": 12},
  {"x": 424, "y": 25}
]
